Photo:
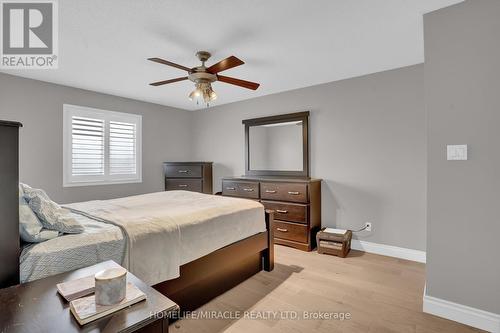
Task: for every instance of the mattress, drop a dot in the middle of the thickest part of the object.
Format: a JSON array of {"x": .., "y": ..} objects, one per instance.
[
  {"x": 152, "y": 235},
  {"x": 99, "y": 242}
]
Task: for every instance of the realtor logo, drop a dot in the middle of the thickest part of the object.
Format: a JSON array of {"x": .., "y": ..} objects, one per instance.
[{"x": 29, "y": 34}]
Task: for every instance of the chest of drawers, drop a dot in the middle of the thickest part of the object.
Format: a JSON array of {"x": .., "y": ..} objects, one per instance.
[
  {"x": 296, "y": 203},
  {"x": 188, "y": 176},
  {"x": 9, "y": 203}
]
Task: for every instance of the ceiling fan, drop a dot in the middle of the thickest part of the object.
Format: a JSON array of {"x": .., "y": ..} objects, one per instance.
[{"x": 203, "y": 77}]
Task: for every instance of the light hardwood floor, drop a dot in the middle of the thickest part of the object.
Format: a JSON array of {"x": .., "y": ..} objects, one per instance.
[{"x": 381, "y": 294}]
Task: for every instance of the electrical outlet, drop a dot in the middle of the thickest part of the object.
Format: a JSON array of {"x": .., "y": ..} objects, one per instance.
[{"x": 368, "y": 226}]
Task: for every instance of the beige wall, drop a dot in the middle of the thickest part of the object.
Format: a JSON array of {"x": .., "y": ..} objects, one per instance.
[
  {"x": 39, "y": 106},
  {"x": 462, "y": 84},
  {"x": 367, "y": 143}
]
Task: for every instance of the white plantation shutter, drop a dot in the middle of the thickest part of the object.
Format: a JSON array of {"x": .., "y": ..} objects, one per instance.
[
  {"x": 122, "y": 152},
  {"x": 101, "y": 147},
  {"x": 87, "y": 146}
]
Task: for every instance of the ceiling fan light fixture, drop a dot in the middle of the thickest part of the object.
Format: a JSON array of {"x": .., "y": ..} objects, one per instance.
[
  {"x": 193, "y": 95},
  {"x": 213, "y": 95},
  {"x": 209, "y": 94},
  {"x": 203, "y": 93},
  {"x": 196, "y": 93}
]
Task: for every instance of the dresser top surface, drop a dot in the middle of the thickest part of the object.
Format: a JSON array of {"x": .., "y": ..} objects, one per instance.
[
  {"x": 10, "y": 123},
  {"x": 187, "y": 163},
  {"x": 274, "y": 179}
]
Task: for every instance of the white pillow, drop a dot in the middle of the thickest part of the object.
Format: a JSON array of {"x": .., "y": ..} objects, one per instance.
[
  {"x": 51, "y": 215},
  {"x": 30, "y": 228}
]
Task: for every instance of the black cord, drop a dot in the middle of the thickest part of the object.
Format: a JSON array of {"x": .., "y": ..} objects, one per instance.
[{"x": 360, "y": 229}]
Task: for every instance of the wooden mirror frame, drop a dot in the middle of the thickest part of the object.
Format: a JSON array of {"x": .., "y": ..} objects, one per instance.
[{"x": 298, "y": 116}]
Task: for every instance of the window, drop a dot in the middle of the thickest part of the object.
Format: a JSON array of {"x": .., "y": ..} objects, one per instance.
[{"x": 101, "y": 147}]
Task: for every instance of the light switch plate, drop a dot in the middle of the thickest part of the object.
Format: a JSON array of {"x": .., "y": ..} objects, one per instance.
[{"x": 456, "y": 152}]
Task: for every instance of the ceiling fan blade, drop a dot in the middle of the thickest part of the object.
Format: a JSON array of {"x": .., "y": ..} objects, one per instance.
[
  {"x": 168, "y": 63},
  {"x": 222, "y": 65},
  {"x": 159, "y": 83},
  {"x": 238, "y": 82}
]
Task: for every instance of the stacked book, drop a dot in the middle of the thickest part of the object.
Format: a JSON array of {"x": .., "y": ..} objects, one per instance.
[
  {"x": 334, "y": 235},
  {"x": 80, "y": 295}
]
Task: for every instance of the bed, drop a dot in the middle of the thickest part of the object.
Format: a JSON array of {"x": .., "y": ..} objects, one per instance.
[{"x": 189, "y": 246}]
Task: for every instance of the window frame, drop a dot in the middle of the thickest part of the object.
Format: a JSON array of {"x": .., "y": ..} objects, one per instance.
[{"x": 69, "y": 180}]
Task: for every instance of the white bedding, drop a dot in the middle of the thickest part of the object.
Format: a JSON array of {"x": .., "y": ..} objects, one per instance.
[
  {"x": 168, "y": 229},
  {"x": 98, "y": 242}
]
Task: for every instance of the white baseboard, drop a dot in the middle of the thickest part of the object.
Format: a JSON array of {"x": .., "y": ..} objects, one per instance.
[
  {"x": 463, "y": 314},
  {"x": 389, "y": 250}
]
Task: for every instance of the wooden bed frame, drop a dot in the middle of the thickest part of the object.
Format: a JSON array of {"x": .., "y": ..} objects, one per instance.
[{"x": 199, "y": 281}]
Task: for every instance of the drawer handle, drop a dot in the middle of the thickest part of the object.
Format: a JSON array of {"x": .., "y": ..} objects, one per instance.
[
  {"x": 270, "y": 191},
  {"x": 230, "y": 188},
  {"x": 183, "y": 185},
  {"x": 281, "y": 211},
  {"x": 293, "y": 192},
  {"x": 183, "y": 171},
  {"x": 248, "y": 189},
  {"x": 282, "y": 230}
]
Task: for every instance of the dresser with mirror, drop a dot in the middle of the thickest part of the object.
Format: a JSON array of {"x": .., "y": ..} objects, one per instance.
[{"x": 277, "y": 175}]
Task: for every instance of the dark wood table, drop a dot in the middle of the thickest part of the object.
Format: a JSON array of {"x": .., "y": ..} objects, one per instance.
[{"x": 37, "y": 307}]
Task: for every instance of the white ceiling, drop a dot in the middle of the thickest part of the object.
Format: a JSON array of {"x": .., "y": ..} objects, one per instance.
[{"x": 286, "y": 44}]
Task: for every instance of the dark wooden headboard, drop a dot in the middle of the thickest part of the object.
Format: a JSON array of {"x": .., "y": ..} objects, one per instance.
[{"x": 9, "y": 203}]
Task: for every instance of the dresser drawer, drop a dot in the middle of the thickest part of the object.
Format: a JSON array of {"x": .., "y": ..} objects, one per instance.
[
  {"x": 248, "y": 190},
  {"x": 294, "y": 192},
  {"x": 241, "y": 189},
  {"x": 183, "y": 171},
  {"x": 230, "y": 188},
  {"x": 194, "y": 185},
  {"x": 287, "y": 211},
  {"x": 291, "y": 231}
]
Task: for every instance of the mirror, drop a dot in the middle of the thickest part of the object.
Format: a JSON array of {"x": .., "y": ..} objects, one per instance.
[{"x": 277, "y": 145}]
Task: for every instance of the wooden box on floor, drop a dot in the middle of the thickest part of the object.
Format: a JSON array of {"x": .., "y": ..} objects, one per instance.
[{"x": 334, "y": 244}]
